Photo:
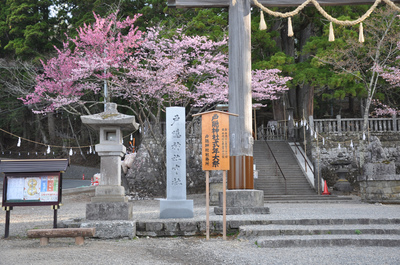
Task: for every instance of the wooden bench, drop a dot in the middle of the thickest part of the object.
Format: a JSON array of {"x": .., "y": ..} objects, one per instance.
[{"x": 45, "y": 234}]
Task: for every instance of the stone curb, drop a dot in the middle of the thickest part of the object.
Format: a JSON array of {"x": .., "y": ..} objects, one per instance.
[
  {"x": 163, "y": 228},
  {"x": 89, "y": 189},
  {"x": 329, "y": 241},
  {"x": 276, "y": 230}
]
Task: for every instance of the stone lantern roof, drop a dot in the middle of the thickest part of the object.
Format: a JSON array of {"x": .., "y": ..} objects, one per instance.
[{"x": 110, "y": 118}]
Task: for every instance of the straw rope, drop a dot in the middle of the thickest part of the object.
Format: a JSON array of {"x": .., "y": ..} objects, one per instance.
[{"x": 324, "y": 13}]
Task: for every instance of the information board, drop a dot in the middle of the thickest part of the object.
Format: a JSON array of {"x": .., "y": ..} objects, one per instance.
[
  {"x": 36, "y": 188},
  {"x": 215, "y": 138}
]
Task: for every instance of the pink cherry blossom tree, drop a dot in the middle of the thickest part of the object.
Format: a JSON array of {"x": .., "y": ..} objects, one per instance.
[
  {"x": 188, "y": 71},
  {"x": 146, "y": 72},
  {"x": 97, "y": 54},
  {"x": 392, "y": 75}
]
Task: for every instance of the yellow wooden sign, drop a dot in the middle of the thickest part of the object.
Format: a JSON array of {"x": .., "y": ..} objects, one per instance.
[{"x": 215, "y": 140}]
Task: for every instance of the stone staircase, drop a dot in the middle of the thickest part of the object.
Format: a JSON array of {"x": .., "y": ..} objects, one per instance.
[
  {"x": 270, "y": 179},
  {"x": 324, "y": 232}
]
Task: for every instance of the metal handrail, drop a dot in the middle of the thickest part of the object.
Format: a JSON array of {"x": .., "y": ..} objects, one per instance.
[
  {"x": 305, "y": 159},
  {"x": 276, "y": 161}
]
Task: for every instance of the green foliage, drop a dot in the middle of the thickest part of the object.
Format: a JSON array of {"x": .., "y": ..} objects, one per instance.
[
  {"x": 210, "y": 22},
  {"x": 28, "y": 28}
]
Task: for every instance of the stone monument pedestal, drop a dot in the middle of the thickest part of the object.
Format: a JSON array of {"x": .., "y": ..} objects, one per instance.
[
  {"x": 176, "y": 209},
  {"x": 242, "y": 202}
]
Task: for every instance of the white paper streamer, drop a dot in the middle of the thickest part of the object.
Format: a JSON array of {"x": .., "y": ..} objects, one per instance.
[
  {"x": 48, "y": 149},
  {"x": 19, "y": 142},
  {"x": 70, "y": 152}
]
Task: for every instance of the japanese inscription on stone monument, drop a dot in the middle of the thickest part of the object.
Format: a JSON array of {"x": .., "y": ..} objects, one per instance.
[{"x": 176, "y": 153}]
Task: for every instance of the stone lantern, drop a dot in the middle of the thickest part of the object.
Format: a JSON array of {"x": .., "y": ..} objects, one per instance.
[
  {"x": 110, "y": 202},
  {"x": 342, "y": 185}
]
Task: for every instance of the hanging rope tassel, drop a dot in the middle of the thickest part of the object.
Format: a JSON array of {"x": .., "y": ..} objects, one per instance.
[
  {"x": 290, "y": 27},
  {"x": 361, "y": 33},
  {"x": 331, "y": 34},
  {"x": 263, "y": 25}
]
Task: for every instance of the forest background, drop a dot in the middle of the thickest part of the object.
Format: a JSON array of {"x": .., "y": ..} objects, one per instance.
[{"x": 328, "y": 78}]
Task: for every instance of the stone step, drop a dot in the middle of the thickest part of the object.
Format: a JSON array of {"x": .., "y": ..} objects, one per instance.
[
  {"x": 329, "y": 241},
  {"x": 323, "y": 233},
  {"x": 250, "y": 231},
  {"x": 304, "y": 198},
  {"x": 268, "y": 178},
  {"x": 188, "y": 227}
]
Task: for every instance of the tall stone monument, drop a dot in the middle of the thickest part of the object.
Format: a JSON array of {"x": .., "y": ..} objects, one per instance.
[
  {"x": 176, "y": 205},
  {"x": 110, "y": 202}
]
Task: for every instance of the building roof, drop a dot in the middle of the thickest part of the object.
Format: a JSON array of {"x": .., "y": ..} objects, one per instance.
[{"x": 33, "y": 165}]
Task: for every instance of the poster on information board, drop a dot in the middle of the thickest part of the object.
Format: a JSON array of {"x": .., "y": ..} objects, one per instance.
[{"x": 32, "y": 188}]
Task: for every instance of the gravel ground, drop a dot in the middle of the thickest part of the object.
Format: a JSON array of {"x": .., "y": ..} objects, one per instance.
[{"x": 18, "y": 249}]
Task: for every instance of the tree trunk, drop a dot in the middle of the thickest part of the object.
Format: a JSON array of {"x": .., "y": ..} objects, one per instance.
[
  {"x": 51, "y": 126},
  {"x": 304, "y": 96}
]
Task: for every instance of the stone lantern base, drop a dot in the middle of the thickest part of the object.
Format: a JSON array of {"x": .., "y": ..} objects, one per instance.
[
  {"x": 109, "y": 203},
  {"x": 109, "y": 211}
]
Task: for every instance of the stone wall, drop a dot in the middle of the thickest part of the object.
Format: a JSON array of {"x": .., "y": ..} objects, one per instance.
[
  {"x": 377, "y": 146},
  {"x": 379, "y": 183}
]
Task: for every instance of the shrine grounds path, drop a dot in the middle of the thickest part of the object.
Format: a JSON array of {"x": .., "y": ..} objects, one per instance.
[{"x": 20, "y": 250}]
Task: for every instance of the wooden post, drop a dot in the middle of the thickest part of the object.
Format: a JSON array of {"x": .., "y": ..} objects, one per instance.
[
  {"x": 339, "y": 123},
  {"x": 305, "y": 141},
  {"x": 224, "y": 205},
  {"x": 7, "y": 225},
  {"x": 284, "y": 121},
  {"x": 55, "y": 207},
  {"x": 207, "y": 204},
  {"x": 255, "y": 125},
  {"x": 319, "y": 184}
]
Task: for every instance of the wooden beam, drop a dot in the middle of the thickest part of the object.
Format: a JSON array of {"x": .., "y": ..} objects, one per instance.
[
  {"x": 266, "y": 3},
  {"x": 61, "y": 232}
]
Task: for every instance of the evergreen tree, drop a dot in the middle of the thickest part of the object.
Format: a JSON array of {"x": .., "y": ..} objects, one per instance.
[{"x": 30, "y": 29}]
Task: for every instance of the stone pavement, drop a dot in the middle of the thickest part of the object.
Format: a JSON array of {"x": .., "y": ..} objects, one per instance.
[
  {"x": 241, "y": 249},
  {"x": 148, "y": 222}
]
